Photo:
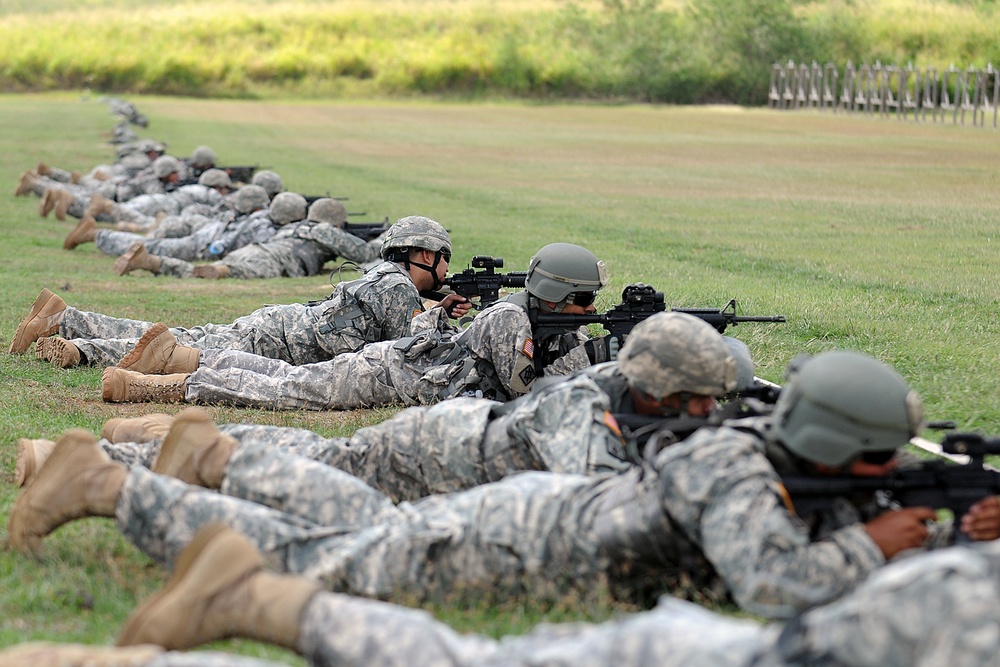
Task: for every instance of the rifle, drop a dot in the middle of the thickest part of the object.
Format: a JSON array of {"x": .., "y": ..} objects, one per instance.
[
  {"x": 936, "y": 484},
  {"x": 639, "y": 301},
  {"x": 726, "y": 316},
  {"x": 367, "y": 231},
  {"x": 485, "y": 284},
  {"x": 311, "y": 199},
  {"x": 241, "y": 173}
]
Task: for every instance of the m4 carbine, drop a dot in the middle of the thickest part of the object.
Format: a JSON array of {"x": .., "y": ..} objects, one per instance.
[
  {"x": 485, "y": 284},
  {"x": 639, "y": 301},
  {"x": 936, "y": 484}
]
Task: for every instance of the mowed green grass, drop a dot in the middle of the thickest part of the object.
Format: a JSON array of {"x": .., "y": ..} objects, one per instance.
[{"x": 866, "y": 233}]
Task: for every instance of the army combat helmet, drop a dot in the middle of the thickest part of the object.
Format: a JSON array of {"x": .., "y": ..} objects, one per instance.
[
  {"x": 165, "y": 165},
  {"x": 287, "y": 207},
  {"x": 840, "y": 405},
  {"x": 327, "y": 209},
  {"x": 560, "y": 271},
  {"x": 418, "y": 233},
  {"x": 202, "y": 158},
  {"x": 250, "y": 198},
  {"x": 215, "y": 178},
  {"x": 669, "y": 353},
  {"x": 268, "y": 180}
]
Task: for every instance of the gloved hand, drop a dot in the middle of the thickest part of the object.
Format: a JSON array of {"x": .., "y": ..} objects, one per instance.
[{"x": 602, "y": 349}]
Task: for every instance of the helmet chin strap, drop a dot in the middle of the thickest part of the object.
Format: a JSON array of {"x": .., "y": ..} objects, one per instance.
[{"x": 432, "y": 269}]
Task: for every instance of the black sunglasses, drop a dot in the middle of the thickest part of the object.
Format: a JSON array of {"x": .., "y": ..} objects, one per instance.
[{"x": 583, "y": 299}]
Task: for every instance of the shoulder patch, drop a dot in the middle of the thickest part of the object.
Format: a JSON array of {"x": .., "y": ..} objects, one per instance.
[{"x": 528, "y": 349}]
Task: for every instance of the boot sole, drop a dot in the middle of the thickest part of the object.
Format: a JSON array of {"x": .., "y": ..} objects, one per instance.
[
  {"x": 17, "y": 344},
  {"x": 135, "y": 355},
  {"x": 121, "y": 264}
]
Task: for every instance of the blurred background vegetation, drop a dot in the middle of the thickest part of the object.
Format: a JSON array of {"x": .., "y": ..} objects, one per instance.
[{"x": 661, "y": 51}]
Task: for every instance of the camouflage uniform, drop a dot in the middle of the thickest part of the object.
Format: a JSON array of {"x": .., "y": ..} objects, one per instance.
[
  {"x": 454, "y": 445},
  {"x": 141, "y": 211},
  {"x": 297, "y": 249},
  {"x": 706, "y": 518},
  {"x": 492, "y": 358},
  {"x": 377, "y": 306},
  {"x": 226, "y": 234},
  {"x": 938, "y": 609}
]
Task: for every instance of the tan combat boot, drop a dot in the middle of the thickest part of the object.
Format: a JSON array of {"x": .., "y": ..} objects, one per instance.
[
  {"x": 75, "y": 177},
  {"x": 31, "y": 454},
  {"x": 46, "y": 654},
  {"x": 63, "y": 202},
  {"x": 58, "y": 351},
  {"x": 49, "y": 198},
  {"x": 121, "y": 386},
  {"x": 42, "y": 169},
  {"x": 84, "y": 232},
  {"x": 25, "y": 185},
  {"x": 211, "y": 271},
  {"x": 99, "y": 205},
  {"x": 77, "y": 480},
  {"x": 137, "y": 429},
  {"x": 195, "y": 450},
  {"x": 136, "y": 258},
  {"x": 218, "y": 589},
  {"x": 46, "y": 313},
  {"x": 157, "y": 353}
]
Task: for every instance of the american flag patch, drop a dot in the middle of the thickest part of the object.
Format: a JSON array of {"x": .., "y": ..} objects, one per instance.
[
  {"x": 416, "y": 312},
  {"x": 529, "y": 349}
]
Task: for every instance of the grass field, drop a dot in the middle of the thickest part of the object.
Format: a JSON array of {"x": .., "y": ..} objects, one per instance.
[{"x": 868, "y": 234}]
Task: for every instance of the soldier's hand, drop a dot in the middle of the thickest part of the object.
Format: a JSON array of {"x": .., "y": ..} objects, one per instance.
[
  {"x": 982, "y": 521},
  {"x": 899, "y": 530},
  {"x": 456, "y": 306}
]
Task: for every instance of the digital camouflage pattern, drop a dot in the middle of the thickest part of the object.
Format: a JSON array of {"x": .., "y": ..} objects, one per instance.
[
  {"x": 141, "y": 211},
  {"x": 225, "y": 233},
  {"x": 936, "y": 609},
  {"x": 422, "y": 451},
  {"x": 296, "y": 250},
  {"x": 488, "y": 360},
  {"x": 706, "y": 519},
  {"x": 675, "y": 352},
  {"x": 377, "y": 306}
]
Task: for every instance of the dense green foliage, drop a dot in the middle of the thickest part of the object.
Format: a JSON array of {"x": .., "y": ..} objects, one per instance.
[{"x": 691, "y": 51}]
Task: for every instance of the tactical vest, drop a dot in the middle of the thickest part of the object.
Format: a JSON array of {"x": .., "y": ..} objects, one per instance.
[{"x": 345, "y": 311}]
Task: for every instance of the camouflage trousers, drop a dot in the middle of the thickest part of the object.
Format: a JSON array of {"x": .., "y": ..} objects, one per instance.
[
  {"x": 933, "y": 609},
  {"x": 286, "y": 332},
  {"x": 529, "y": 532},
  {"x": 363, "y": 379},
  {"x": 246, "y": 263},
  {"x": 417, "y": 453},
  {"x": 115, "y": 243}
]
